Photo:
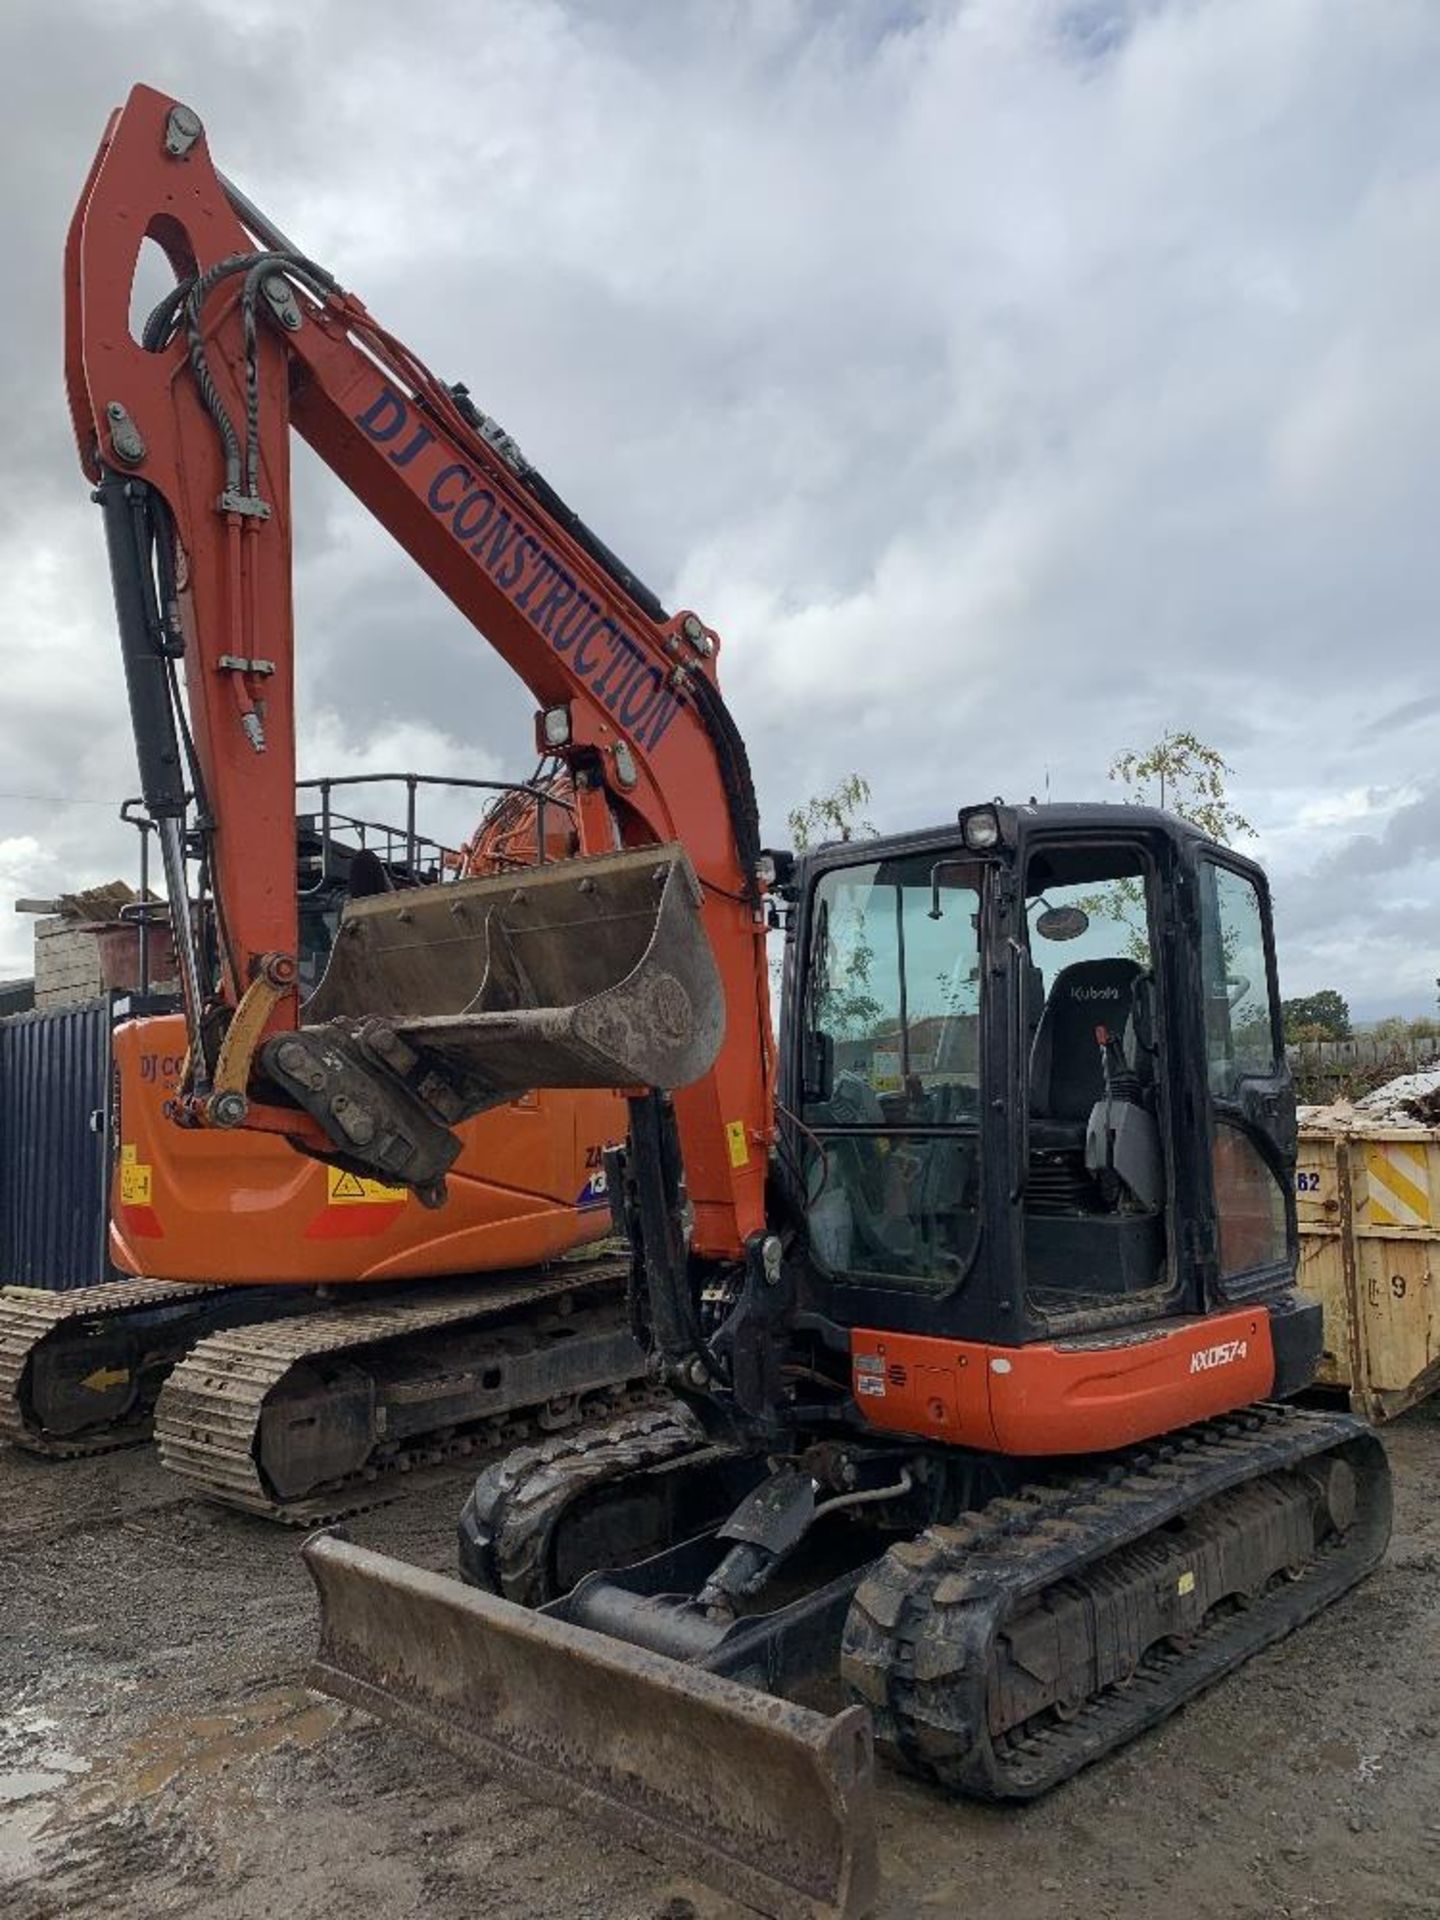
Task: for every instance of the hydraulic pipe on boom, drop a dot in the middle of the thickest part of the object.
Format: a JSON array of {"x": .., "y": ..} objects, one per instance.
[{"x": 149, "y": 653}]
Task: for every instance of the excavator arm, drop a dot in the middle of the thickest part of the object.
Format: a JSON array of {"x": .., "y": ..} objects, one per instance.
[{"x": 433, "y": 1007}]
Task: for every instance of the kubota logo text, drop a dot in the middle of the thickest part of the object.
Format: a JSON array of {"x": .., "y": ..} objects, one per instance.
[{"x": 1224, "y": 1355}]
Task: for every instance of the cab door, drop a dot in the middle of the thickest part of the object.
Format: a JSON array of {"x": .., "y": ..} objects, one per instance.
[{"x": 1251, "y": 1099}]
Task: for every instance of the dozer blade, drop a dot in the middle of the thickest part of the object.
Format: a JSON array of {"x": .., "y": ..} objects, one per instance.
[
  {"x": 768, "y": 1800},
  {"x": 582, "y": 973}
]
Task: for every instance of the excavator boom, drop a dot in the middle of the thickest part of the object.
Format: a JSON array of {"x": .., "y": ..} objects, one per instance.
[{"x": 185, "y": 433}]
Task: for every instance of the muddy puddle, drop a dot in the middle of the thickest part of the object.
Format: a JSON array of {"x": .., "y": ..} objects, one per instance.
[
  {"x": 51, "y": 1795},
  {"x": 36, "y": 1769},
  {"x": 206, "y": 1745}
]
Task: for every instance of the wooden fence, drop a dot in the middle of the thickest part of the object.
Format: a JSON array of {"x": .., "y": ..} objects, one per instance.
[{"x": 1326, "y": 1069}]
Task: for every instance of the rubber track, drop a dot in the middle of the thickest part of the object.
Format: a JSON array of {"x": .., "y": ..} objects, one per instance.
[
  {"x": 509, "y": 1521},
  {"x": 208, "y": 1415},
  {"x": 918, "y": 1640},
  {"x": 28, "y": 1317}
]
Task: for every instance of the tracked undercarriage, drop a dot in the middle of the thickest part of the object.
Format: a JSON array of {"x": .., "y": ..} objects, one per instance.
[
  {"x": 286, "y": 1405},
  {"x": 998, "y": 1650},
  {"x": 80, "y": 1372}
]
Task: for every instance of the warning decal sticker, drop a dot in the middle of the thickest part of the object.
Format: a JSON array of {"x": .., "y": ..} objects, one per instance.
[
  {"x": 134, "y": 1183},
  {"x": 350, "y": 1190}
]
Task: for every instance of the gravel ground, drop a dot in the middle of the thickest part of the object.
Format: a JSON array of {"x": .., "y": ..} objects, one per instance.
[{"x": 159, "y": 1754}]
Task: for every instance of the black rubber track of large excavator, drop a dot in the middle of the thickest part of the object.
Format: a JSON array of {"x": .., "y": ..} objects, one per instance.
[
  {"x": 921, "y": 1639},
  {"x": 508, "y": 1524}
]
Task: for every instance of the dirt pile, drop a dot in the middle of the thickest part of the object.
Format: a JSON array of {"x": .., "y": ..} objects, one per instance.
[{"x": 1411, "y": 1100}]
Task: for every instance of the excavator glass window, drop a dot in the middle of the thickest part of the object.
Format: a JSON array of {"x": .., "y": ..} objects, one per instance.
[
  {"x": 1243, "y": 1057},
  {"x": 1095, "y": 1178},
  {"x": 893, "y": 998}
]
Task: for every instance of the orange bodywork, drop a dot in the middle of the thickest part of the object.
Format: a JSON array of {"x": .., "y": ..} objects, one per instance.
[
  {"x": 640, "y": 688},
  {"x": 1079, "y": 1396},
  {"x": 197, "y": 1204}
]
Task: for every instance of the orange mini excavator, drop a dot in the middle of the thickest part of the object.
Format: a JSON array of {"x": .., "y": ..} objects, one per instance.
[{"x": 978, "y": 1300}]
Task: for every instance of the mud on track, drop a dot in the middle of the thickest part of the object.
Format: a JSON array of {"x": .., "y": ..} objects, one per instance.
[{"x": 159, "y": 1754}]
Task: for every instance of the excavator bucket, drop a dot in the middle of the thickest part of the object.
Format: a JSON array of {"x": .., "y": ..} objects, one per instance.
[
  {"x": 771, "y": 1801},
  {"x": 580, "y": 973}
]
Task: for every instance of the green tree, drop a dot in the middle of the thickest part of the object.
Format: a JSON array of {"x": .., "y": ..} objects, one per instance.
[
  {"x": 844, "y": 1004},
  {"x": 1316, "y": 1016},
  {"x": 833, "y": 815},
  {"x": 1180, "y": 774},
  {"x": 848, "y": 1007},
  {"x": 1183, "y": 775},
  {"x": 1396, "y": 1029}
]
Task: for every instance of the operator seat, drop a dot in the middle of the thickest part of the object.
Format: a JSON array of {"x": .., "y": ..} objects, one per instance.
[
  {"x": 1066, "y": 1078},
  {"x": 368, "y": 875},
  {"x": 861, "y": 1169}
]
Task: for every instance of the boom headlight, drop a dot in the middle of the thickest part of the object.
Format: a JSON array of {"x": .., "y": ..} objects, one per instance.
[
  {"x": 554, "y": 728},
  {"x": 980, "y": 829}
]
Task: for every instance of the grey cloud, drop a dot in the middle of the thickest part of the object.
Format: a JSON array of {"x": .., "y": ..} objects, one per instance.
[{"x": 1007, "y": 381}]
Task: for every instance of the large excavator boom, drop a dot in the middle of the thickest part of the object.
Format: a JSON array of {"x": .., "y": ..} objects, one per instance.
[{"x": 185, "y": 432}]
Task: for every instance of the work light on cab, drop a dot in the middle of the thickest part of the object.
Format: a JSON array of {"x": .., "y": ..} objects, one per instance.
[{"x": 980, "y": 829}]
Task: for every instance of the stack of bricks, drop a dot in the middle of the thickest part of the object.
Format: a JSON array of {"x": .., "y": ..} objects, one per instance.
[{"x": 67, "y": 965}]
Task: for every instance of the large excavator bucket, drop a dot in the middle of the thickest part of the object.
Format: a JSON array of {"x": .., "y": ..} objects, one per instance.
[
  {"x": 769, "y": 1800},
  {"x": 581, "y": 973}
]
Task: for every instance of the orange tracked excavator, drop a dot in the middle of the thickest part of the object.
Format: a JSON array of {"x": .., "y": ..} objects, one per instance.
[
  {"x": 230, "y": 1340},
  {"x": 279, "y": 1235},
  {"x": 980, "y": 1311}
]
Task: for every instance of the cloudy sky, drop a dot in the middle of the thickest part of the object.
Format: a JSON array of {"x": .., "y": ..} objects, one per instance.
[{"x": 1007, "y": 380}]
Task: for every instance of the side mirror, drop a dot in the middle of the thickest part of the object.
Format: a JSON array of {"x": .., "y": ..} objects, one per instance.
[
  {"x": 818, "y": 1074},
  {"x": 1062, "y": 923}
]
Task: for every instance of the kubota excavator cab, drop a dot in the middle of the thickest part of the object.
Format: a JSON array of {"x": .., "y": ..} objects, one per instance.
[{"x": 1040, "y": 1093}]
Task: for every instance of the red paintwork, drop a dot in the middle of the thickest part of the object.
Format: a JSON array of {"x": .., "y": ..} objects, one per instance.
[{"x": 1067, "y": 1397}]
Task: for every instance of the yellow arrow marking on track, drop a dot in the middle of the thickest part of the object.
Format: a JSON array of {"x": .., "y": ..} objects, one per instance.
[{"x": 103, "y": 1378}]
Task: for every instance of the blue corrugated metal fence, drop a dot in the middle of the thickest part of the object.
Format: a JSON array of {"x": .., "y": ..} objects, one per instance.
[{"x": 54, "y": 1154}]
